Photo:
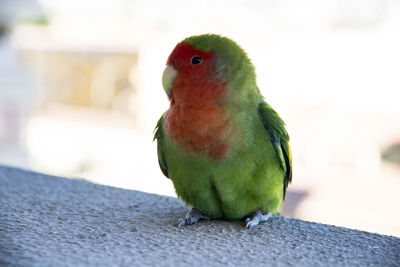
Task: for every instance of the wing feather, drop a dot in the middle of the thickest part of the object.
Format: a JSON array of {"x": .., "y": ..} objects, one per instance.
[
  {"x": 159, "y": 136},
  {"x": 279, "y": 138}
]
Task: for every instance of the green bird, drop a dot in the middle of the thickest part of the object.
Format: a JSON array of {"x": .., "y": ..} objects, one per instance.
[{"x": 224, "y": 148}]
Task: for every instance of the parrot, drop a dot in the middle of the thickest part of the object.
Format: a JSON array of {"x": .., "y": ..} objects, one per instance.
[{"x": 225, "y": 149}]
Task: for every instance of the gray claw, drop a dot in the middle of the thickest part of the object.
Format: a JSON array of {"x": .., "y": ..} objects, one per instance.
[
  {"x": 181, "y": 222},
  {"x": 192, "y": 217},
  {"x": 256, "y": 218}
]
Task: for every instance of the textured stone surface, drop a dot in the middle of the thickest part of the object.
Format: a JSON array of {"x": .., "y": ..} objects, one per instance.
[{"x": 52, "y": 221}]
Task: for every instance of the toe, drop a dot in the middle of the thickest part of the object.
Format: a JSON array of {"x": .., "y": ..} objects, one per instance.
[
  {"x": 251, "y": 224},
  {"x": 181, "y": 222}
]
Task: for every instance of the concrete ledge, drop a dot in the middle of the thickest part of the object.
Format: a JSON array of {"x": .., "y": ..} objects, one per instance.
[{"x": 52, "y": 221}]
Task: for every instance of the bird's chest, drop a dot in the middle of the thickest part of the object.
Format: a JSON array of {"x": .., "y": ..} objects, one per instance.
[{"x": 200, "y": 130}]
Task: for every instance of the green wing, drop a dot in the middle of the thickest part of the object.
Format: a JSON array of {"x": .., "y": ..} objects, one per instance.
[
  {"x": 159, "y": 135},
  {"x": 279, "y": 138}
]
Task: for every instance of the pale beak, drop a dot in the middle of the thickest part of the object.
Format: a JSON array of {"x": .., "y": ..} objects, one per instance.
[{"x": 168, "y": 79}]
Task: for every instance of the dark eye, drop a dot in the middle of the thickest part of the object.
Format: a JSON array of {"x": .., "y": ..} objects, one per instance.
[{"x": 196, "y": 60}]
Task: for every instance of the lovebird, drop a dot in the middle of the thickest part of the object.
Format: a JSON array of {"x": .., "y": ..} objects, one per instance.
[{"x": 223, "y": 146}]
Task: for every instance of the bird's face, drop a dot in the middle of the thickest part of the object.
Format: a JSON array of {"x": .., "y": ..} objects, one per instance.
[{"x": 192, "y": 76}]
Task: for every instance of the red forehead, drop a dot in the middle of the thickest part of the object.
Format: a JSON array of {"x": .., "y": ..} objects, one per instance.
[{"x": 183, "y": 52}]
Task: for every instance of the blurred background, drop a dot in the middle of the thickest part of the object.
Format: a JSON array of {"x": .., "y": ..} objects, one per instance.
[{"x": 80, "y": 93}]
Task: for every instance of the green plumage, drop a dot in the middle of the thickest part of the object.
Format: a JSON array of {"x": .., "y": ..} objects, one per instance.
[{"x": 255, "y": 174}]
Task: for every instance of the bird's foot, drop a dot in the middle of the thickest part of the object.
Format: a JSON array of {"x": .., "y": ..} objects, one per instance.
[
  {"x": 256, "y": 218},
  {"x": 192, "y": 217}
]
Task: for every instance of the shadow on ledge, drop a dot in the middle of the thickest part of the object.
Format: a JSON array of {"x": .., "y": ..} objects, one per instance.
[{"x": 53, "y": 221}]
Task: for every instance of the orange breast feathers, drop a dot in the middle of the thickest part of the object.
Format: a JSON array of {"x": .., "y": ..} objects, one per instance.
[{"x": 199, "y": 130}]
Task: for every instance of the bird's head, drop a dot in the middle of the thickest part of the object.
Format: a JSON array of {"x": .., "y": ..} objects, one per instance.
[{"x": 207, "y": 69}]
